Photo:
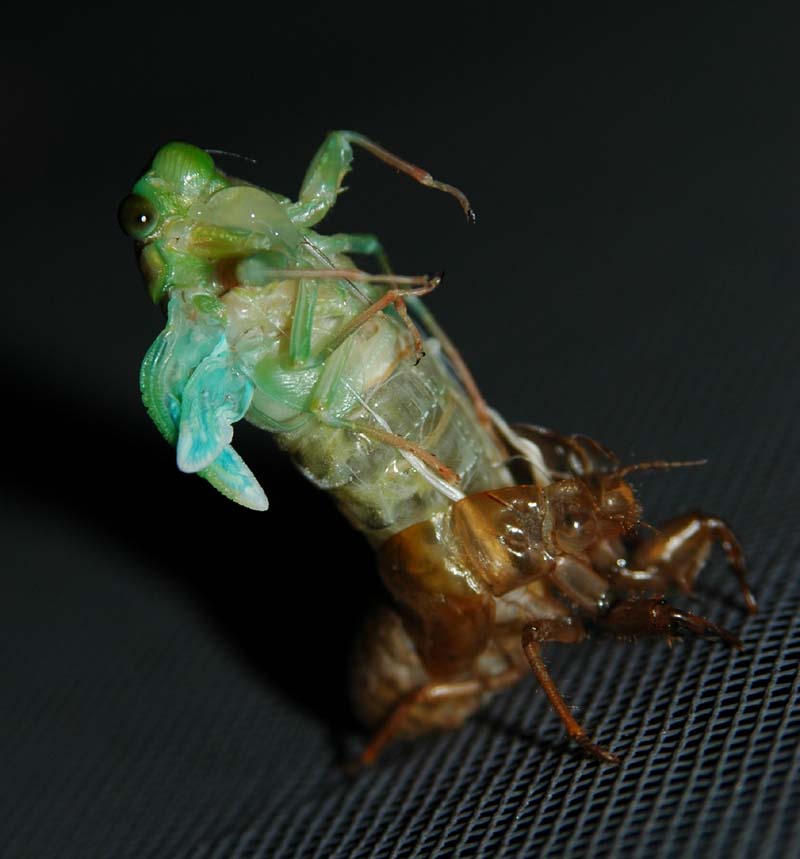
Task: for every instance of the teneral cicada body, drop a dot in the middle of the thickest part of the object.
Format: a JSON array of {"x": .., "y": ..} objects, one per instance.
[{"x": 271, "y": 321}]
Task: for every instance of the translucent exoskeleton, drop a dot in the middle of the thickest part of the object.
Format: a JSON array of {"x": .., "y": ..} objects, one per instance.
[{"x": 271, "y": 321}]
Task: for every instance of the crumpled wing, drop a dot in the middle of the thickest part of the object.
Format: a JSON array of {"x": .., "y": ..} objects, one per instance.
[
  {"x": 215, "y": 397},
  {"x": 190, "y": 337}
]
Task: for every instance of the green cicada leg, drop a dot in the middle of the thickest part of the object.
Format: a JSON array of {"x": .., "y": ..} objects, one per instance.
[
  {"x": 302, "y": 322},
  {"x": 265, "y": 267},
  {"x": 323, "y": 180}
]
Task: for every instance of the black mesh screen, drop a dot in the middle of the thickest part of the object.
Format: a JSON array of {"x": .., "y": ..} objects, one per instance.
[
  {"x": 710, "y": 744},
  {"x": 151, "y": 716}
]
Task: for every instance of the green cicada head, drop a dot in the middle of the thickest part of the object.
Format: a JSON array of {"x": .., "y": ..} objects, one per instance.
[{"x": 160, "y": 210}]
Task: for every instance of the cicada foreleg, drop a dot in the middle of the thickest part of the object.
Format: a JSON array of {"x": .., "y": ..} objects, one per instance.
[
  {"x": 323, "y": 179},
  {"x": 654, "y": 616},
  {"x": 675, "y": 554},
  {"x": 567, "y": 631}
]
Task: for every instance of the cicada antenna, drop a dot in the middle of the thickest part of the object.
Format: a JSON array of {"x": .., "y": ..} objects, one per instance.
[
  {"x": 655, "y": 465},
  {"x": 649, "y": 527}
]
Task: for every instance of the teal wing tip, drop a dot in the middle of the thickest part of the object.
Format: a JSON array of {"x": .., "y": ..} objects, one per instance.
[
  {"x": 260, "y": 503},
  {"x": 229, "y": 474},
  {"x": 252, "y": 497}
]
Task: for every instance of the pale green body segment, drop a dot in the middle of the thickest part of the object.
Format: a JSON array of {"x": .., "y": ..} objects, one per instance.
[{"x": 245, "y": 339}]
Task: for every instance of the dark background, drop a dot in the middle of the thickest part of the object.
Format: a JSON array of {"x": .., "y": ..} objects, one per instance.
[{"x": 170, "y": 686}]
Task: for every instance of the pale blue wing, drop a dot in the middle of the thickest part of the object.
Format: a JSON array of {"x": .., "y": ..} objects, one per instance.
[
  {"x": 230, "y": 476},
  {"x": 215, "y": 397},
  {"x": 191, "y": 336}
]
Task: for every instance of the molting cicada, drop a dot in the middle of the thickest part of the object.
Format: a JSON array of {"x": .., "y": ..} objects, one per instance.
[{"x": 271, "y": 321}]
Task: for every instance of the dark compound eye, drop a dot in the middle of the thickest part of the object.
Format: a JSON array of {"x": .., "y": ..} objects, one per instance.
[{"x": 137, "y": 216}]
